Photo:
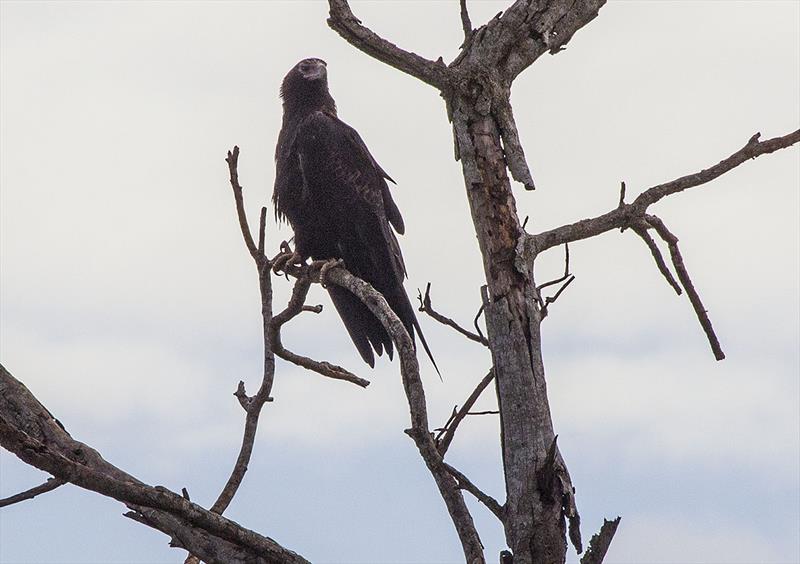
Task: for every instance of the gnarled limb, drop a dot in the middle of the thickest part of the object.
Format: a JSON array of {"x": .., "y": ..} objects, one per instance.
[
  {"x": 634, "y": 215},
  {"x": 599, "y": 543},
  {"x": 28, "y": 430},
  {"x": 350, "y": 28}
]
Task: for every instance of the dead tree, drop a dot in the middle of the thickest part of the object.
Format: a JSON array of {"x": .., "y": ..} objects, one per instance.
[
  {"x": 539, "y": 512},
  {"x": 476, "y": 87}
]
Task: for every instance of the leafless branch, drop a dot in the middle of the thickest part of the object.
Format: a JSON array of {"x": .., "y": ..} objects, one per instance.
[
  {"x": 481, "y": 310},
  {"x": 296, "y": 306},
  {"x": 640, "y": 228},
  {"x": 29, "y": 431},
  {"x": 252, "y": 405},
  {"x": 551, "y": 299},
  {"x": 466, "y": 24},
  {"x": 487, "y": 500},
  {"x": 262, "y": 229},
  {"x": 445, "y": 437},
  {"x": 624, "y": 215},
  {"x": 635, "y": 215},
  {"x": 754, "y": 148},
  {"x": 527, "y": 30},
  {"x": 343, "y": 22},
  {"x": 232, "y": 159},
  {"x": 686, "y": 281},
  {"x": 566, "y": 271},
  {"x": 49, "y": 485},
  {"x": 415, "y": 393},
  {"x": 599, "y": 543},
  {"x": 426, "y": 307},
  {"x": 321, "y": 367}
]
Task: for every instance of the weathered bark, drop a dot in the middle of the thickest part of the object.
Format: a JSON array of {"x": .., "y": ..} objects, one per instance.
[
  {"x": 28, "y": 430},
  {"x": 534, "y": 524},
  {"x": 476, "y": 88}
]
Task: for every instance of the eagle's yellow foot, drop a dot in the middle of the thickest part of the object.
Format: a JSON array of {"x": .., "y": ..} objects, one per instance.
[{"x": 324, "y": 266}]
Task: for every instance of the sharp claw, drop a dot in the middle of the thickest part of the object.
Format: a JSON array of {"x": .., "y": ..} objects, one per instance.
[{"x": 285, "y": 258}]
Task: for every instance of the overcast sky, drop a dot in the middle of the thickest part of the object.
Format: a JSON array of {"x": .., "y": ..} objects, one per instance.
[{"x": 130, "y": 306}]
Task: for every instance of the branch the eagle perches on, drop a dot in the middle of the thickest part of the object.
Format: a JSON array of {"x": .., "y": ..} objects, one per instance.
[{"x": 449, "y": 481}]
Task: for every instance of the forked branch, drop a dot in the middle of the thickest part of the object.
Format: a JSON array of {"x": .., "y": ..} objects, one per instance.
[
  {"x": 294, "y": 308},
  {"x": 686, "y": 281},
  {"x": 635, "y": 216},
  {"x": 448, "y": 432},
  {"x": 425, "y": 306},
  {"x": 28, "y": 430}
]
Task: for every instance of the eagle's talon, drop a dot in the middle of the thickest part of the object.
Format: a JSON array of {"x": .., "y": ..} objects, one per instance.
[
  {"x": 324, "y": 266},
  {"x": 285, "y": 259}
]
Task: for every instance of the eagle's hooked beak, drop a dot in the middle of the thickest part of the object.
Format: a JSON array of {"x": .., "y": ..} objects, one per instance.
[{"x": 313, "y": 69}]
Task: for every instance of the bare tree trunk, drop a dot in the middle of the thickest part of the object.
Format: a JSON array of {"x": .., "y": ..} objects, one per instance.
[{"x": 513, "y": 328}]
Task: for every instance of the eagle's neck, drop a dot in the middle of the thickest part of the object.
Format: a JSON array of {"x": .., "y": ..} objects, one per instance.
[{"x": 305, "y": 101}]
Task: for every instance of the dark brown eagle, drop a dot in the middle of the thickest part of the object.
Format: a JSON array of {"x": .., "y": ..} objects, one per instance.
[{"x": 336, "y": 198}]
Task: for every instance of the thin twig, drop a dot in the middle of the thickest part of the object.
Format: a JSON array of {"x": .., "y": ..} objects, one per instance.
[
  {"x": 465, "y": 484},
  {"x": 426, "y": 307},
  {"x": 319, "y": 366},
  {"x": 446, "y": 436},
  {"x": 49, "y": 485},
  {"x": 551, "y": 299},
  {"x": 640, "y": 228},
  {"x": 566, "y": 271},
  {"x": 232, "y": 160},
  {"x": 262, "y": 228},
  {"x": 488, "y": 412},
  {"x": 484, "y": 302},
  {"x": 686, "y": 281}
]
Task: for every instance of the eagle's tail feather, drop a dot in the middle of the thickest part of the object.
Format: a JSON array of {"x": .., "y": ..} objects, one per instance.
[{"x": 364, "y": 328}]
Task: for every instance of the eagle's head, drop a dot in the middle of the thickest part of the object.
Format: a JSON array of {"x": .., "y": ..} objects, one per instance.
[
  {"x": 305, "y": 87},
  {"x": 312, "y": 69}
]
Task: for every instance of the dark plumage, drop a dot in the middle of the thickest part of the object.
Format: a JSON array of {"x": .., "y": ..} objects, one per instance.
[{"x": 335, "y": 196}]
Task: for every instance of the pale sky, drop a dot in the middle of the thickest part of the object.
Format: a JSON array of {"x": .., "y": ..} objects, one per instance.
[{"x": 130, "y": 306}]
